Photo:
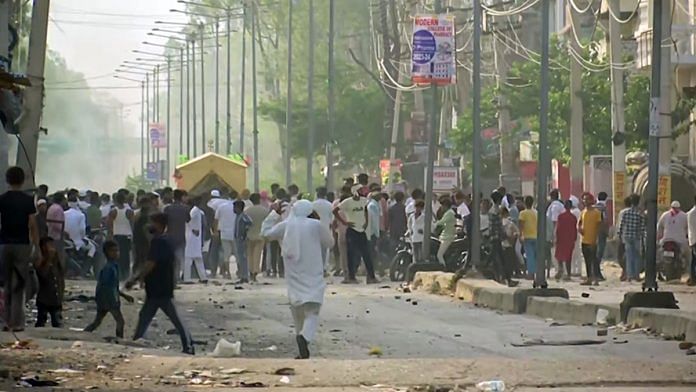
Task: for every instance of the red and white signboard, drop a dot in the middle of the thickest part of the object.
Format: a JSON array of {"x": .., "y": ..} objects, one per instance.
[{"x": 445, "y": 178}]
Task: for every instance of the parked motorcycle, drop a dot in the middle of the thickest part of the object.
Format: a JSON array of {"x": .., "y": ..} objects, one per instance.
[
  {"x": 85, "y": 262},
  {"x": 671, "y": 266}
]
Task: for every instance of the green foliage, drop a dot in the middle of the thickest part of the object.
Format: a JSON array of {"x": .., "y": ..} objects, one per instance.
[
  {"x": 135, "y": 182},
  {"x": 523, "y": 94}
]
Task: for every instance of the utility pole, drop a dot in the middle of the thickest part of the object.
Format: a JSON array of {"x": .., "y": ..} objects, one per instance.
[
  {"x": 181, "y": 105},
  {"x": 508, "y": 164},
  {"x": 618, "y": 150},
  {"x": 143, "y": 128},
  {"x": 33, "y": 96},
  {"x": 193, "y": 84},
  {"x": 288, "y": 111},
  {"x": 544, "y": 164},
  {"x": 155, "y": 100},
  {"x": 655, "y": 132},
  {"x": 228, "y": 149},
  {"x": 147, "y": 118},
  {"x": 204, "y": 141},
  {"x": 168, "y": 130},
  {"x": 432, "y": 152},
  {"x": 475, "y": 248},
  {"x": 254, "y": 102},
  {"x": 217, "y": 85},
  {"x": 577, "y": 161},
  {"x": 243, "y": 83},
  {"x": 310, "y": 97},
  {"x": 331, "y": 98},
  {"x": 4, "y": 54},
  {"x": 188, "y": 101}
]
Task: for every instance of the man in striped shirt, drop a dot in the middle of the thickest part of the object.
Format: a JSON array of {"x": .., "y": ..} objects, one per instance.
[{"x": 631, "y": 232}]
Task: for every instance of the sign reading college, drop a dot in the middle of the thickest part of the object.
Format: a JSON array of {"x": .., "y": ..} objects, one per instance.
[{"x": 433, "y": 59}]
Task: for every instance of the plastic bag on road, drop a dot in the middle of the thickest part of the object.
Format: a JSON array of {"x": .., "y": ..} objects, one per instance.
[
  {"x": 224, "y": 349},
  {"x": 491, "y": 386}
]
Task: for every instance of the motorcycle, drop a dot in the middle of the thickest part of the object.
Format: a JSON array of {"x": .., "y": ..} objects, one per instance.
[
  {"x": 671, "y": 266},
  {"x": 455, "y": 257},
  {"x": 85, "y": 262},
  {"x": 403, "y": 257}
]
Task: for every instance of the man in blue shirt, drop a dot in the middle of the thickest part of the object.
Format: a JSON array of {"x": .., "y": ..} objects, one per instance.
[{"x": 107, "y": 293}]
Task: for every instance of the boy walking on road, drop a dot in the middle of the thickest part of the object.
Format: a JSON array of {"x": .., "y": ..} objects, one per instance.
[
  {"x": 159, "y": 286},
  {"x": 107, "y": 293}
]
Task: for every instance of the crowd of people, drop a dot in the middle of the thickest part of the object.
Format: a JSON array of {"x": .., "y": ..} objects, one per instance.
[{"x": 164, "y": 238}]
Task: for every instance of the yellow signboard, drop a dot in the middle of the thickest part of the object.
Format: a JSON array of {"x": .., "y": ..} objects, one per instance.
[{"x": 664, "y": 192}]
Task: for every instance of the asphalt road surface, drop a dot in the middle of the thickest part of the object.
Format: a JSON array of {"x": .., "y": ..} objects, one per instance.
[{"x": 355, "y": 319}]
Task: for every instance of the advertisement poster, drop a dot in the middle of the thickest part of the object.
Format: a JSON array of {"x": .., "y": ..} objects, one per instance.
[{"x": 433, "y": 59}]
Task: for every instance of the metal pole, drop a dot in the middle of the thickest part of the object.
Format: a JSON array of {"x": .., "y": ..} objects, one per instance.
[
  {"x": 168, "y": 128},
  {"x": 33, "y": 96},
  {"x": 254, "y": 102},
  {"x": 475, "y": 234},
  {"x": 143, "y": 128},
  {"x": 204, "y": 141},
  {"x": 544, "y": 159},
  {"x": 288, "y": 111},
  {"x": 188, "y": 101},
  {"x": 228, "y": 148},
  {"x": 243, "y": 83},
  {"x": 155, "y": 93},
  {"x": 653, "y": 149},
  {"x": 432, "y": 152},
  {"x": 193, "y": 84},
  {"x": 310, "y": 97},
  {"x": 181, "y": 104},
  {"x": 147, "y": 117},
  {"x": 332, "y": 98},
  {"x": 217, "y": 85}
]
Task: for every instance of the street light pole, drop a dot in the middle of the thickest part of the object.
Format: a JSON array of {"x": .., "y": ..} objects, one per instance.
[
  {"x": 188, "y": 101},
  {"x": 147, "y": 117},
  {"x": 332, "y": 98},
  {"x": 229, "y": 72},
  {"x": 254, "y": 102},
  {"x": 475, "y": 247},
  {"x": 143, "y": 128},
  {"x": 204, "y": 142},
  {"x": 168, "y": 128},
  {"x": 181, "y": 104},
  {"x": 288, "y": 111},
  {"x": 310, "y": 97},
  {"x": 544, "y": 158},
  {"x": 155, "y": 92},
  {"x": 243, "y": 84},
  {"x": 217, "y": 85},
  {"x": 193, "y": 83}
]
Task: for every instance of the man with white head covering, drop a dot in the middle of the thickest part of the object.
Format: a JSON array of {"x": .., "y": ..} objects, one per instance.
[{"x": 303, "y": 238}]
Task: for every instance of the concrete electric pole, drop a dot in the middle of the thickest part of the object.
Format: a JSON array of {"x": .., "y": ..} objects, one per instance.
[
  {"x": 33, "y": 97},
  {"x": 618, "y": 151},
  {"x": 577, "y": 160}
]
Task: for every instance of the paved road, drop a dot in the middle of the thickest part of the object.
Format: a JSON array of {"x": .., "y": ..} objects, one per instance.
[{"x": 357, "y": 318}]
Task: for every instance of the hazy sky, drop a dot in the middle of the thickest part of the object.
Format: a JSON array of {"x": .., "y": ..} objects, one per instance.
[{"x": 95, "y": 36}]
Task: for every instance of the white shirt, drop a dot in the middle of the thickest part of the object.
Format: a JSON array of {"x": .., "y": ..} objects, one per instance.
[
  {"x": 105, "y": 209},
  {"x": 691, "y": 223},
  {"x": 463, "y": 210},
  {"x": 215, "y": 203},
  {"x": 76, "y": 226},
  {"x": 355, "y": 212},
  {"x": 410, "y": 206},
  {"x": 226, "y": 218},
  {"x": 673, "y": 227},
  {"x": 194, "y": 243},
  {"x": 324, "y": 209},
  {"x": 416, "y": 227}
]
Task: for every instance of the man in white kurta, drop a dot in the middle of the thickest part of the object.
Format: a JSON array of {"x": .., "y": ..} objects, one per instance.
[
  {"x": 193, "y": 252},
  {"x": 302, "y": 240}
]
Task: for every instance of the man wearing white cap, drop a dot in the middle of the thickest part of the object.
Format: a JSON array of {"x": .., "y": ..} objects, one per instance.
[{"x": 673, "y": 226}]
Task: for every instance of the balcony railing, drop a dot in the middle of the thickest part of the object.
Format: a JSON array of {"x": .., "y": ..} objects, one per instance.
[{"x": 682, "y": 46}]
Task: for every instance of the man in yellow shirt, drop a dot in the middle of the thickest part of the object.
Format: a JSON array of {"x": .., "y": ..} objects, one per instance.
[
  {"x": 528, "y": 235},
  {"x": 589, "y": 226}
]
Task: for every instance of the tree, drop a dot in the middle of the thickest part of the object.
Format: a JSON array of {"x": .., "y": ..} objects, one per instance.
[{"x": 523, "y": 93}]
